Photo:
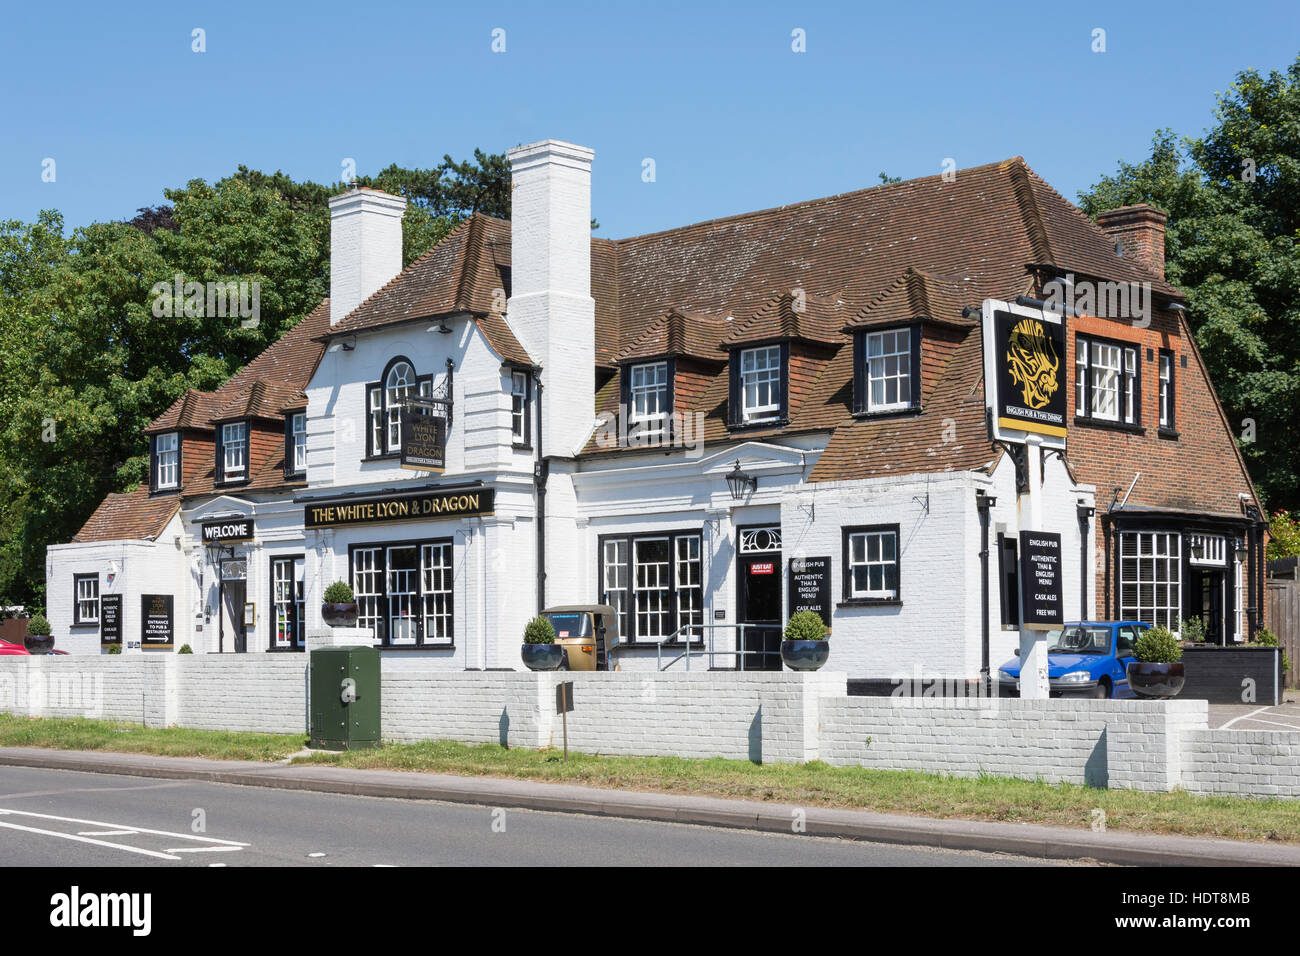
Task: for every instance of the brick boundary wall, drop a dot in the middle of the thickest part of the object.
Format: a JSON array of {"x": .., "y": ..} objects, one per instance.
[{"x": 769, "y": 717}]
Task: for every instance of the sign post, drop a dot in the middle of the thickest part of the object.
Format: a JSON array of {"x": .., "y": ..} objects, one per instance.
[
  {"x": 1024, "y": 390},
  {"x": 564, "y": 704}
]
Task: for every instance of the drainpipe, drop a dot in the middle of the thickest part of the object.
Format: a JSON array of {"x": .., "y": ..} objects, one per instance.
[
  {"x": 1108, "y": 535},
  {"x": 540, "y": 472},
  {"x": 1085, "y": 514},
  {"x": 1252, "y": 607},
  {"x": 983, "y": 502}
]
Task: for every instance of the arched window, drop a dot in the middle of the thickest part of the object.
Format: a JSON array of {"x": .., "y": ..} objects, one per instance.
[{"x": 384, "y": 402}]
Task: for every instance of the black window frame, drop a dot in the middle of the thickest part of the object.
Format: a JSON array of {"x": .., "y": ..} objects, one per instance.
[
  {"x": 381, "y": 626},
  {"x": 372, "y": 453},
  {"x": 670, "y": 393},
  {"x": 861, "y": 384},
  {"x": 154, "y": 487},
  {"x": 298, "y": 623},
  {"x": 1083, "y": 413},
  {"x": 846, "y": 585},
  {"x": 290, "y": 471},
  {"x": 628, "y": 617},
  {"x": 77, "y": 619},
  {"x": 735, "y": 403},
  {"x": 525, "y": 439},
  {"x": 1169, "y": 429},
  {"x": 219, "y": 469}
]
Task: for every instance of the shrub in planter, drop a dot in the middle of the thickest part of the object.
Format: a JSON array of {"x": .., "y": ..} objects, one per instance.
[
  {"x": 340, "y": 607},
  {"x": 1194, "y": 630},
  {"x": 185, "y": 649},
  {"x": 115, "y": 648},
  {"x": 805, "y": 647},
  {"x": 38, "y": 639},
  {"x": 539, "y": 651},
  {"x": 1158, "y": 670}
]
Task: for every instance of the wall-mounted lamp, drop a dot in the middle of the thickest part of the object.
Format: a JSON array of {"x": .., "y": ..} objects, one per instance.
[
  {"x": 1084, "y": 510},
  {"x": 1239, "y": 549},
  {"x": 740, "y": 483},
  {"x": 1198, "y": 547}
]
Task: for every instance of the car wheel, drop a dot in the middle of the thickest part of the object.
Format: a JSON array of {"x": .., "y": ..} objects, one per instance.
[{"x": 1101, "y": 691}]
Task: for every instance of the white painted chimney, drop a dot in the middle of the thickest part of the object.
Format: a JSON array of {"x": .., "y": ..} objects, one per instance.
[
  {"x": 551, "y": 309},
  {"x": 365, "y": 246}
]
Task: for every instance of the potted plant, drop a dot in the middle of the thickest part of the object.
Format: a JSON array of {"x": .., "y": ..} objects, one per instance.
[
  {"x": 1194, "y": 631},
  {"x": 540, "y": 652},
  {"x": 1158, "y": 670},
  {"x": 340, "y": 607},
  {"x": 805, "y": 647},
  {"x": 38, "y": 639}
]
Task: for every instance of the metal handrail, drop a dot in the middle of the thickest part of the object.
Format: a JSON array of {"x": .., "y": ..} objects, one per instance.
[{"x": 689, "y": 629}]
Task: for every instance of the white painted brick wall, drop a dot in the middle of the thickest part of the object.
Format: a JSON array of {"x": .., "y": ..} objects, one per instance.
[
  {"x": 266, "y": 693},
  {"x": 1264, "y": 763}
]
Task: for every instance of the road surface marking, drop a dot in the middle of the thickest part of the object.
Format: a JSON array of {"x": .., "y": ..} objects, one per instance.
[
  {"x": 81, "y": 839},
  {"x": 1274, "y": 723},
  {"x": 4, "y": 811},
  {"x": 203, "y": 849},
  {"x": 107, "y": 832},
  {"x": 1259, "y": 710}
]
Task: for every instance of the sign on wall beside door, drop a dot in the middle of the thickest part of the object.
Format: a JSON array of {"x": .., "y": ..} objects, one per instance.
[
  {"x": 110, "y": 619},
  {"x": 156, "y": 620}
]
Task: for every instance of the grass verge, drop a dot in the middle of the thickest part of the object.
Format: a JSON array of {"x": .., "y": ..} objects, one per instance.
[{"x": 996, "y": 799}]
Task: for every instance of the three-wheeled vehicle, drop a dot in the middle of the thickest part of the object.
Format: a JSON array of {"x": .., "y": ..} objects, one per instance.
[{"x": 587, "y": 632}]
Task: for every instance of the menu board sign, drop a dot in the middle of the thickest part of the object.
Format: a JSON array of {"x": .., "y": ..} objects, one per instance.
[
  {"x": 156, "y": 620},
  {"x": 1041, "y": 600},
  {"x": 810, "y": 586},
  {"x": 110, "y": 619}
]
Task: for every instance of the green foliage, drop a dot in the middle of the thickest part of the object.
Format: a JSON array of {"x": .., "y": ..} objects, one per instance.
[
  {"x": 185, "y": 649},
  {"x": 539, "y": 631},
  {"x": 1157, "y": 645},
  {"x": 339, "y": 593},
  {"x": 805, "y": 626},
  {"x": 1233, "y": 199},
  {"x": 85, "y": 364},
  {"x": 1284, "y": 535},
  {"x": 115, "y": 649},
  {"x": 1266, "y": 638},
  {"x": 1193, "y": 630},
  {"x": 39, "y": 625}
]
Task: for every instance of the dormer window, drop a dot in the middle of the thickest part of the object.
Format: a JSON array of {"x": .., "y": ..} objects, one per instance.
[
  {"x": 520, "y": 386},
  {"x": 760, "y": 384},
  {"x": 232, "y": 451},
  {"x": 648, "y": 399},
  {"x": 384, "y": 402},
  {"x": 166, "y": 470},
  {"x": 887, "y": 371}
]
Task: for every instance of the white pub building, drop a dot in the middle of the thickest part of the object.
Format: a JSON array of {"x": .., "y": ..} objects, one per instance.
[{"x": 707, "y": 427}]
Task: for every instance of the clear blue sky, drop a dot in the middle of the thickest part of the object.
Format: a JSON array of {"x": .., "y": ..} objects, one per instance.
[{"x": 711, "y": 91}]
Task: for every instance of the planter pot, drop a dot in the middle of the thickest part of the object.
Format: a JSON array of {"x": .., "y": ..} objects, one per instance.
[
  {"x": 1155, "y": 680},
  {"x": 38, "y": 643},
  {"x": 542, "y": 657},
  {"x": 805, "y": 655},
  {"x": 340, "y": 615}
]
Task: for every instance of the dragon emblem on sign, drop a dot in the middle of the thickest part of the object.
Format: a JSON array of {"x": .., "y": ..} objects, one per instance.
[{"x": 1033, "y": 362}]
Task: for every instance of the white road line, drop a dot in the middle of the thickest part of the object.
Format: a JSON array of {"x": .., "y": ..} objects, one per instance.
[
  {"x": 1261, "y": 720},
  {"x": 4, "y": 811},
  {"x": 82, "y": 839},
  {"x": 1258, "y": 710},
  {"x": 107, "y": 832},
  {"x": 204, "y": 849}
]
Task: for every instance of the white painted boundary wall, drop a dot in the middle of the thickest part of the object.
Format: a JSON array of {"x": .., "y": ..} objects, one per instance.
[{"x": 772, "y": 717}]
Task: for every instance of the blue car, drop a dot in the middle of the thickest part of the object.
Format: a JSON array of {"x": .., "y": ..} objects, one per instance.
[{"x": 1087, "y": 659}]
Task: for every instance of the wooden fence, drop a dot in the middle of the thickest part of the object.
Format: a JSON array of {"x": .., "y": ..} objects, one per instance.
[{"x": 1282, "y": 617}]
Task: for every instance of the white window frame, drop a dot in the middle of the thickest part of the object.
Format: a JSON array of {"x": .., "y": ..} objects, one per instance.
[
  {"x": 760, "y": 370},
  {"x": 1166, "y": 389},
  {"x": 688, "y": 578},
  {"x": 647, "y": 394},
  {"x": 234, "y": 451},
  {"x": 652, "y": 589},
  {"x": 288, "y": 624},
  {"x": 167, "y": 460},
  {"x": 1162, "y": 552},
  {"x": 518, "y": 405},
  {"x": 401, "y": 602},
  {"x": 888, "y": 355},
  {"x": 368, "y": 587},
  {"x": 86, "y": 599},
  {"x": 437, "y": 593},
  {"x": 1106, "y": 381},
  {"x": 298, "y": 431},
  {"x": 867, "y": 550}
]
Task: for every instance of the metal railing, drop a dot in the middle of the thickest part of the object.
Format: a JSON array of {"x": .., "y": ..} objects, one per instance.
[{"x": 687, "y": 631}]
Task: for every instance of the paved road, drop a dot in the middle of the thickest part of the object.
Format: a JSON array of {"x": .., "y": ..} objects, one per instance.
[
  {"x": 1283, "y": 717},
  {"x": 65, "y": 818}
]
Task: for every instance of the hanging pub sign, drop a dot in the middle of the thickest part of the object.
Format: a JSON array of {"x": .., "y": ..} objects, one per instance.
[
  {"x": 810, "y": 587},
  {"x": 1025, "y": 372},
  {"x": 156, "y": 620},
  {"x": 110, "y": 619},
  {"x": 399, "y": 507},
  {"x": 424, "y": 441},
  {"x": 1042, "y": 607},
  {"x": 229, "y": 529}
]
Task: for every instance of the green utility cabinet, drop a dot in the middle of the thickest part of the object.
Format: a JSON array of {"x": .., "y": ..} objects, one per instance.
[{"x": 344, "y": 687}]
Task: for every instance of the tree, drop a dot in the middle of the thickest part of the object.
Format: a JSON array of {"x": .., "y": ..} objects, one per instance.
[{"x": 1233, "y": 201}]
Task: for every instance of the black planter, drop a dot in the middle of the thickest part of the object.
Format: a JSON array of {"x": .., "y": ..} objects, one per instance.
[
  {"x": 805, "y": 655},
  {"x": 1155, "y": 680},
  {"x": 340, "y": 615},
  {"x": 38, "y": 643},
  {"x": 542, "y": 657}
]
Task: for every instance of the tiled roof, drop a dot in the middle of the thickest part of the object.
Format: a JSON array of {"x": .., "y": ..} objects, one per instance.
[
  {"x": 260, "y": 399},
  {"x": 792, "y": 316},
  {"x": 132, "y": 515},
  {"x": 679, "y": 333},
  {"x": 919, "y": 295}
]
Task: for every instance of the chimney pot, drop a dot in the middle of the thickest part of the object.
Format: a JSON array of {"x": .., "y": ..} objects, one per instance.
[
  {"x": 1138, "y": 232},
  {"x": 365, "y": 246}
]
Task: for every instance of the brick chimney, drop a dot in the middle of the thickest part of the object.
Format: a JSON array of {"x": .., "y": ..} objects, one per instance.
[
  {"x": 365, "y": 246},
  {"x": 550, "y": 308},
  {"x": 1140, "y": 233}
]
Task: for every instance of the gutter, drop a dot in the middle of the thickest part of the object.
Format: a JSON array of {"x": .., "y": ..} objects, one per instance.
[{"x": 541, "y": 470}]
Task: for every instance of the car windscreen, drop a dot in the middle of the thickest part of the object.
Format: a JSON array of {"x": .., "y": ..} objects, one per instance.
[
  {"x": 1083, "y": 640},
  {"x": 570, "y": 625}
]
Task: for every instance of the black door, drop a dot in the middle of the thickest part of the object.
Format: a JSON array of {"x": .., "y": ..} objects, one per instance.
[
  {"x": 759, "y": 604},
  {"x": 1206, "y": 602}
]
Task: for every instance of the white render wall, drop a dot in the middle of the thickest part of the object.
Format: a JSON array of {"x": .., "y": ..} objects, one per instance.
[{"x": 365, "y": 246}]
